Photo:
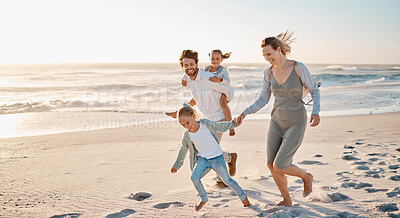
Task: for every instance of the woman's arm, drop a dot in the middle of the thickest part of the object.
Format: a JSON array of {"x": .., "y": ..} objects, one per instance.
[{"x": 311, "y": 85}]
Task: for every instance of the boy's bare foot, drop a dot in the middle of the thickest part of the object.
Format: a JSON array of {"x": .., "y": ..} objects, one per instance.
[
  {"x": 171, "y": 114},
  {"x": 231, "y": 132},
  {"x": 200, "y": 205},
  {"x": 286, "y": 203},
  {"x": 232, "y": 164},
  {"x": 246, "y": 202},
  {"x": 307, "y": 184}
]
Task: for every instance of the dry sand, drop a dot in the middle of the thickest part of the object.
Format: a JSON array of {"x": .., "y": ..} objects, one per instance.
[{"x": 354, "y": 160}]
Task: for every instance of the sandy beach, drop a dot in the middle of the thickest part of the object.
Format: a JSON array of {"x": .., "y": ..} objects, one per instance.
[{"x": 354, "y": 160}]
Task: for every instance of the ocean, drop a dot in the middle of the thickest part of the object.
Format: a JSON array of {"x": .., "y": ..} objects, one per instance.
[{"x": 54, "y": 98}]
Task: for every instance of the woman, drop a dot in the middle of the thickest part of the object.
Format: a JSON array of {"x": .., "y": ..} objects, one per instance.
[{"x": 285, "y": 79}]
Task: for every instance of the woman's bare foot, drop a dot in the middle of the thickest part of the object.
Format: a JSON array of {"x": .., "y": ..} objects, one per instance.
[
  {"x": 246, "y": 202},
  {"x": 307, "y": 184},
  {"x": 171, "y": 114},
  {"x": 201, "y": 204},
  {"x": 231, "y": 132},
  {"x": 286, "y": 203}
]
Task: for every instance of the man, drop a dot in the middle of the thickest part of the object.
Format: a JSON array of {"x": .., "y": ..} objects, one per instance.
[{"x": 206, "y": 95}]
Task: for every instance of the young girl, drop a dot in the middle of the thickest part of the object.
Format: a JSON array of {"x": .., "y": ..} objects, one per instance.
[
  {"x": 207, "y": 152},
  {"x": 221, "y": 76}
]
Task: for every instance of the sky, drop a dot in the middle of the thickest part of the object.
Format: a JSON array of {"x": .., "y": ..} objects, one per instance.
[{"x": 117, "y": 31}]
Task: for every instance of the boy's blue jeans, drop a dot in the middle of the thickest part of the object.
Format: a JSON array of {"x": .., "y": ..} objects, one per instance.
[{"x": 219, "y": 166}]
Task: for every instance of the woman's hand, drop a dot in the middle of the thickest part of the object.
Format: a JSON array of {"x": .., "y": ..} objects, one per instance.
[
  {"x": 173, "y": 170},
  {"x": 314, "y": 119},
  {"x": 238, "y": 120},
  {"x": 215, "y": 79}
]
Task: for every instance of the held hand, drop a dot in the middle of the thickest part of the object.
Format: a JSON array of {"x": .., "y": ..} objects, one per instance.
[
  {"x": 215, "y": 79},
  {"x": 238, "y": 120},
  {"x": 314, "y": 119},
  {"x": 173, "y": 170},
  {"x": 183, "y": 82}
]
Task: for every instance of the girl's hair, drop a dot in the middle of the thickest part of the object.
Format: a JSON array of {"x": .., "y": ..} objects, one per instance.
[
  {"x": 187, "y": 111},
  {"x": 224, "y": 56},
  {"x": 282, "y": 40}
]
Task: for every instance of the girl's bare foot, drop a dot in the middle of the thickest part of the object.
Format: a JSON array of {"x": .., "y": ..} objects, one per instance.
[
  {"x": 201, "y": 204},
  {"x": 285, "y": 203},
  {"x": 171, "y": 114},
  {"x": 246, "y": 202},
  {"x": 231, "y": 132},
  {"x": 307, "y": 184}
]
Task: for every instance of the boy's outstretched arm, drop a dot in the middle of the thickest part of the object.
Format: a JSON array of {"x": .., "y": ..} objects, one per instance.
[{"x": 181, "y": 154}]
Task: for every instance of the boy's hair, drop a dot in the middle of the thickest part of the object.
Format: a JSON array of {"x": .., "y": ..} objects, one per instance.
[
  {"x": 188, "y": 54},
  {"x": 223, "y": 56},
  {"x": 187, "y": 111}
]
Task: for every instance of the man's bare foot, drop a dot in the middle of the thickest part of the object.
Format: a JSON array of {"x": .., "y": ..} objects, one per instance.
[
  {"x": 246, "y": 202},
  {"x": 200, "y": 205},
  {"x": 232, "y": 164},
  {"x": 286, "y": 203},
  {"x": 171, "y": 114},
  {"x": 307, "y": 184},
  {"x": 221, "y": 184},
  {"x": 232, "y": 132}
]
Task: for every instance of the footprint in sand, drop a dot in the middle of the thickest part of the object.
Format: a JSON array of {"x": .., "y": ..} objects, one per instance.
[
  {"x": 67, "y": 215},
  {"x": 311, "y": 162},
  {"x": 349, "y": 157},
  {"x": 168, "y": 204},
  {"x": 217, "y": 205},
  {"x": 361, "y": 163},
  {"x": 374, "y": 173},
  {"x": 344, "y": 214},
  {"x": 140, "y": 196},
  {"x": 394, "y": 193},
  {"x": 361, "y": 168},
  {"x": 387, "y": 207},
  {"x": 362, "y": 185},
  {"x": 327, "y": 198},
  {"x": 283, "y": 212},
  {"x": 225, "y": 200},
  {"x": 378, "y": 154},
  {"x": 348, "y": 146},
  {"x": 394, "y": 167},
  {"x": 373, "y": 190},
  {"x": 122, "y": 213},
  {"x": 373, "y": 159},
  {"x": 318, "y": 155},
  {"x": 348, "y": 184},
  {"x": 293, "y": 188},
  {"x": 395, "y": 178}
]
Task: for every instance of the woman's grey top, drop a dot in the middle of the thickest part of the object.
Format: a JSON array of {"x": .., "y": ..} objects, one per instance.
[{"x": 307, "y": 81}]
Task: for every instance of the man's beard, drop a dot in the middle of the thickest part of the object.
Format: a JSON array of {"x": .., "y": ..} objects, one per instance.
[{"x": 195, "y": 70}]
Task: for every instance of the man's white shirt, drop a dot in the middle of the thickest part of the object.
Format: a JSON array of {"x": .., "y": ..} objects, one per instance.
[{"x": 207, "y": 95}]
